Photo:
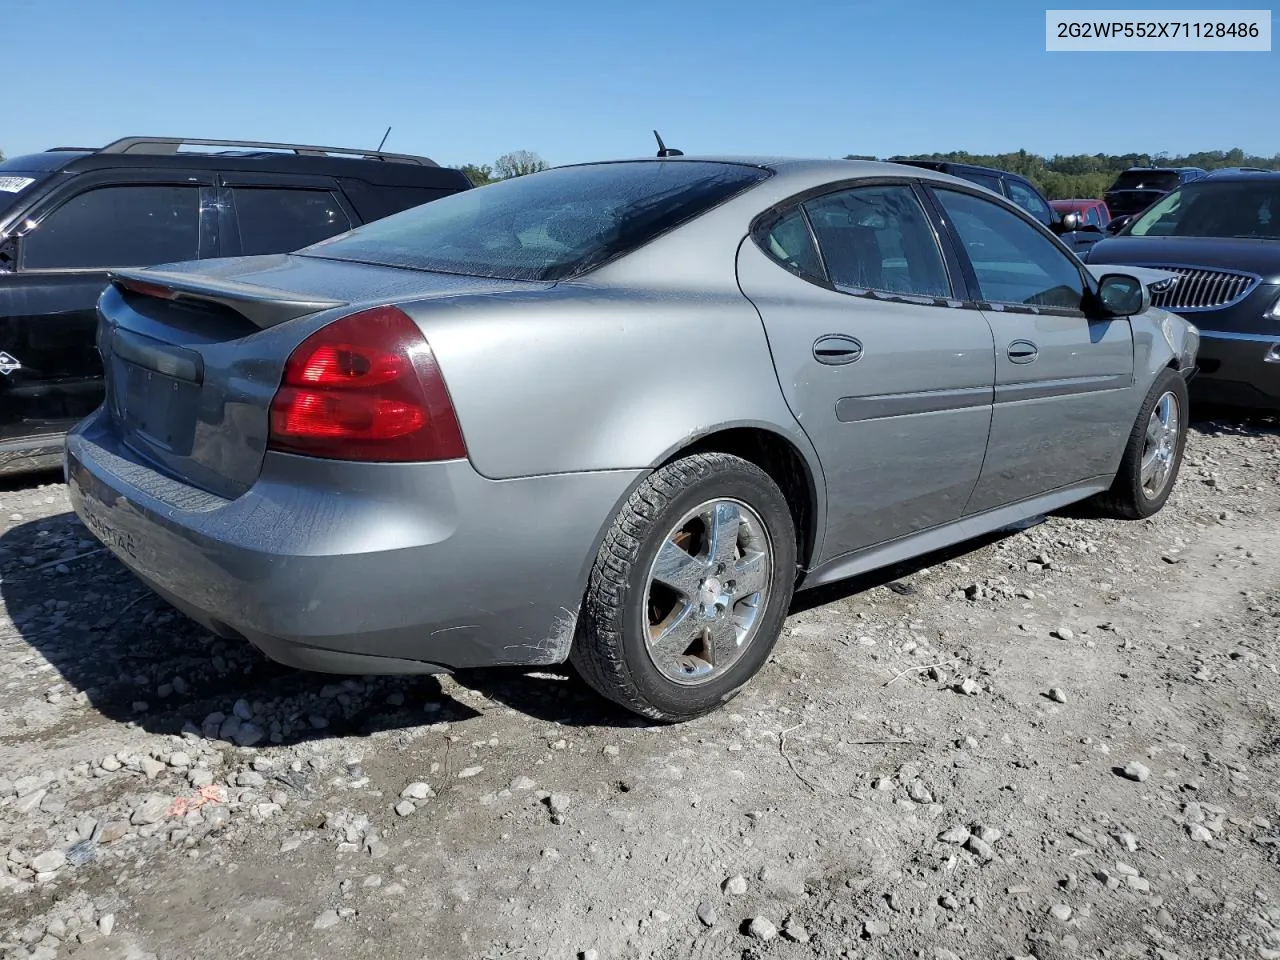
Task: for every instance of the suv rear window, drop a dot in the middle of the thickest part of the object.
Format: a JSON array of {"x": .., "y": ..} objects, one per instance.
[
  {"x": 1146, "y": 180},
  {"x": 545, "y": 226}
]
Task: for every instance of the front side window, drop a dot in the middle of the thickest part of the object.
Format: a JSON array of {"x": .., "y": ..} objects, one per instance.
[
  {"x": 118, "y": 226},
  {"x": 1014, "y": 262},
  {"x": 546, "y": 226},
  {"x": 1229, "y": 208},
  {"x": 1093, "y": 218},
  {"x": 1030, "y": 201},
  {"x": 878, "y": 238},
  {"x": 282, "y": 220}
]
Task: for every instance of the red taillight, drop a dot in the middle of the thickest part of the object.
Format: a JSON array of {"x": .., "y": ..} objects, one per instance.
[{"x": 365, "y": 387}]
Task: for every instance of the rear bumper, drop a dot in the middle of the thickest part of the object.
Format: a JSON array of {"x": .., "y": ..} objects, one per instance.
[
  {"x": 1234, "y": 369},
  {"x": 357, "y": 568}
]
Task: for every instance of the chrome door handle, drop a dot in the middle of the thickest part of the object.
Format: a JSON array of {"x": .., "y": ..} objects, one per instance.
[
  {"x": 835, "y": 349},
  {"x": 1022, "y": 351}
]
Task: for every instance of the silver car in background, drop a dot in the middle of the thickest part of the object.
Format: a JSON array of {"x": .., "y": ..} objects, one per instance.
[{"x": 614, "y": 413}]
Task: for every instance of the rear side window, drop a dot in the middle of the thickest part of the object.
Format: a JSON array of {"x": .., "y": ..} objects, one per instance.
[
  {"x": 374, "y": 201},
  {"x": 546, "y": 226},
  {"x": 279, "y": 221},
  {"x": 878, "y": 238},
  {"x": 117, "y": 226},
  {"x": 789, "y": 242},
  {"x": 982, "y": 180},
  {"x": 1030, "y": 201}
]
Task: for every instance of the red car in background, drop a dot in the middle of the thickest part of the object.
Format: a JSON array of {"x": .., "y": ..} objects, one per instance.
[{"x": 1092, "y": 212}]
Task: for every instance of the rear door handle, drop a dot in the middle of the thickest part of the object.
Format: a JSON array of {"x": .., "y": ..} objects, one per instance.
[
  {"x": 1023, "y": 351},
  {"x": 835, "y": 349}
]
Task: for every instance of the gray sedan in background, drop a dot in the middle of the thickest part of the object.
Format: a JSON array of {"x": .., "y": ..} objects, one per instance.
[{"x": 614, "y": 413}]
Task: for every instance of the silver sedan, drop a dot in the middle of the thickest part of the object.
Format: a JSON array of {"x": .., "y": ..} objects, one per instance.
[{"x": 615, "y": 414}]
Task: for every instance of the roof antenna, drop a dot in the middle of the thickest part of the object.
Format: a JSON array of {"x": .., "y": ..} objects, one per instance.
[
  {"x": 384, "y": 139},
  {"x": 664, "y": 150}
]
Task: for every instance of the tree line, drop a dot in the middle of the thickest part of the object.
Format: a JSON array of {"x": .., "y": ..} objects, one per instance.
[
  {"x": 1063, "y": 177},
  {"x": 514, "y": 164}
]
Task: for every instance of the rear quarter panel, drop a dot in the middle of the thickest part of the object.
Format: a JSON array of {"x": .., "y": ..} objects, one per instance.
[{"x": 593, "y": 377}]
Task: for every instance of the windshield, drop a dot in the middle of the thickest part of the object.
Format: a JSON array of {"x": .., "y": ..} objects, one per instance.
[
  {"x": 15, "y": 183},
  {"x": 1239, "y": 208},
  {"x": 545, "y": 226},
  {"x": 1146, "y": 180}
]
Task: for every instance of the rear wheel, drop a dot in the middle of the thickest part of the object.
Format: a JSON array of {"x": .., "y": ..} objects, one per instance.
[
  {"x": 690, "y": 588},
  {"x": 1154, "y": 452}
]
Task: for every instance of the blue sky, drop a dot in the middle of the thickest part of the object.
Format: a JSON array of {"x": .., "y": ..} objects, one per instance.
[{"x": 578, "y": 81}]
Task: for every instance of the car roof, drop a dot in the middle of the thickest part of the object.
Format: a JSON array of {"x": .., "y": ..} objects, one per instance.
[
  {"x": 1242, "y": 173},
  {"x": 799, "y": 167},
  {"x": 245, "y": 156}
]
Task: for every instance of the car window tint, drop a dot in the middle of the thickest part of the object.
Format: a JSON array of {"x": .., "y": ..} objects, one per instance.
[
  {"x": 1207, "y": 208},
  {"x": 124, "y": 226},
  {"x": 1014, "y": 262},
  {"x": 546, "y": 226},
  {"x": 278, "y": 221},
  {"x": 878, "y": 238},
  {"x": 790, "y": 243},
  {"x": 982, "y": 180},
  {"x": 1093, "y": 218},
  {"x": 1029, "y": 201}
]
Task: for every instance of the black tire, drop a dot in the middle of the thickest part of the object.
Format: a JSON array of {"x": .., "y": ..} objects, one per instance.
[
  {"x": 1128, "y": 499},
  {"x": 610, "y": 650}
]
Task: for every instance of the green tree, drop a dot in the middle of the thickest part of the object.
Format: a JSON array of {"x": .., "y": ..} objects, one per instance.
[
  {"x": 478, "y": 173},
  {"x": 518, "y": 164},
  {"x": 1089, "y": 175}
]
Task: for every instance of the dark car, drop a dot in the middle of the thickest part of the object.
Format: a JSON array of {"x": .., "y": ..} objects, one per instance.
[
  {"x": 68, "y": 215},
  {"x": 1075, "y": 233},
  {"x": 1139, "y": 187},
  {"x": 1221, "y": 234}
]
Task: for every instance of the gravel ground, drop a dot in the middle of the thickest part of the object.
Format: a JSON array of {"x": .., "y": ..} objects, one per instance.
[{"x": 1058, "y": 742}]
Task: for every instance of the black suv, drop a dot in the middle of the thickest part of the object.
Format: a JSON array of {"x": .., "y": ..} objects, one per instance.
[
  {"x": 1221, "y": 235},
  {"x": 1139, "y": 187},
  {"x": 68, "y": 215},
  {"x": 1073, "y": 232}
]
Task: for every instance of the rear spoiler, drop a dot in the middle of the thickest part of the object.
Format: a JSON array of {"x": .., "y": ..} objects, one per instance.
[{"x": 262, "y": 306}]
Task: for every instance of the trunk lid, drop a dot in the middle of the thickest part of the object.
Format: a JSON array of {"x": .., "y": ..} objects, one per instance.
[{"x": 194, "y": 353}]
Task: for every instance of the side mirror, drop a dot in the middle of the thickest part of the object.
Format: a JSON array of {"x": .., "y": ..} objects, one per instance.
[
  {"x": 1121, "y": 295},
  {"x": 1116, "y": 224},
  {"x": 1071, "y": 221}
]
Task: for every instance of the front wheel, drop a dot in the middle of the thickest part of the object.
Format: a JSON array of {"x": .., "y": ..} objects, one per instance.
[
  {"x": 690, "y": 588},
  {"x": 1153, "y": 454}
]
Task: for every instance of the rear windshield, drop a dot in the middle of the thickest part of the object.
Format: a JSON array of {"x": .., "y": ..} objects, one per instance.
[
  {"x": 1226, "y": 208},
  {"x": 545, "y": 226},
  {"x": 15, "y": 183},
  {"x": 1146, "y": 180}
]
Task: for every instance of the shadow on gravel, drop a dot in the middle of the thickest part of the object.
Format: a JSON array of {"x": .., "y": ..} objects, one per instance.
[
  {"x": 1209, "y": 418},
  {"x": 136, "y": 660},
  {"x": 27, "y": 481}
]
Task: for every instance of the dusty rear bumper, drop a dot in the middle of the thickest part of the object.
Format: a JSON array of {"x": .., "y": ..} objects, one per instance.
[{"x": 357, "y": 568}]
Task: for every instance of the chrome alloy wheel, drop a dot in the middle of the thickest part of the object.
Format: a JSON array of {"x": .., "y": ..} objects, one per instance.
[
  {"x": 1160, "y": 445},
  {"x": 707, "y": 590}
]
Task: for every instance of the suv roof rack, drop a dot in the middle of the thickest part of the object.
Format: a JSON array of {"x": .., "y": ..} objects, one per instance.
[{"x": 171, "y": 145}]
